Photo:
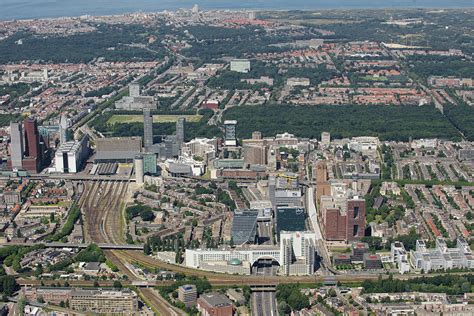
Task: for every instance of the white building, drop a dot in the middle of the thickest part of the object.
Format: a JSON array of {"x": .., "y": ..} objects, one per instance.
[
  {"x": 202, "y": 258},
  {"x": 399, "y": 256},
  {"x": 366, "y": 145},
  {"x": 240, "y": 65},
  {"x": 296, "y": 256},
  {"x": 70, "y": 155},
  {"x": 298, "y": 82},
  {"x": 325, "y": 138},
  {"x": 298, "y": 252},
  {"x": 230, "y": 133},
  {"x": 135, "y": 101},
  {"x": 441, "y": 257}
]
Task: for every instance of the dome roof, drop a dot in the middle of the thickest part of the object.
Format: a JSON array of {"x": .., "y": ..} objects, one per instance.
[{"x": 235, "y": 262}]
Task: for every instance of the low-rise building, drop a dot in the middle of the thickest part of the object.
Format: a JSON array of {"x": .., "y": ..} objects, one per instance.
[{"x": 215, "y": 304}]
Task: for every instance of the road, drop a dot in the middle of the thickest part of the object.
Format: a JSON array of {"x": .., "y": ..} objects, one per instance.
[
  {"x": 264, "y": 302},
  {"x": 265, "y": 236},
  {"x": 313, "y": 218}
]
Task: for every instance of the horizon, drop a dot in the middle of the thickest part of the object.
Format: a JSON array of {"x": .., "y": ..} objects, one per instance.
[{"x": 47, "y": 9}]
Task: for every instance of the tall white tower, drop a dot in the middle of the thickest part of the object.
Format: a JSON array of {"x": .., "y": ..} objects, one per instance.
[{"x": 63, "y": 129}]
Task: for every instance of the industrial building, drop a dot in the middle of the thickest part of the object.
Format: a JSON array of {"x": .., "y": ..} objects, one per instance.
[{"x": 71, "y": 155}]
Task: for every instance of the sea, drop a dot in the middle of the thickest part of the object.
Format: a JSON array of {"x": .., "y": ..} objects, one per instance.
[{"x": 34, "y": 9}]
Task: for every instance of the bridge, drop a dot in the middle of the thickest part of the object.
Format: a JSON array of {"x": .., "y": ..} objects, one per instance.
[
  {"x": 79, "y": 246},
  {"x": 263, "y": 287}
]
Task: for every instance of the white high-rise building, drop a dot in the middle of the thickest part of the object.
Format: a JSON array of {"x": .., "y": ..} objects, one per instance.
[
  {"x": 63, "y": 125},
  {"x": 298, "y": 252},
  {"x": 230, "y": 133},
  {"x": 16, "y": 145}
]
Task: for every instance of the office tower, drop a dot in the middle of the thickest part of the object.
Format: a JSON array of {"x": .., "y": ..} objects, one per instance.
[
  {"x": 32, "y": 148},
  {"x": 180, "y": 131},
  {"x": 187, "y": 294},
  {"x": 33, "y": 152},
  {"x": 147, "y": 129},
  {"x": 63, "y": 129},
  {"x": 149, "y": 163},
  {"x": 16, "y": 145},
  {"x": 139, "y": 169},
  {"x": 310, "y": 255},
  {"x": 230, "y": 133}
]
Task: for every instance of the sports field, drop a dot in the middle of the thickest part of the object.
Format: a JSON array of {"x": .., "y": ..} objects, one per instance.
[{"x": 121, "y": 118}]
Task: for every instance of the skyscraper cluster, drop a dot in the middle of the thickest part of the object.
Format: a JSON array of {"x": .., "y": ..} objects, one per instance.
[{"x": 170, "y": 146}]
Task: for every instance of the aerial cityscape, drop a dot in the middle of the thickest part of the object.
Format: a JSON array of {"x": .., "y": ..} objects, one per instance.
[{"x": 225, "y": 161}]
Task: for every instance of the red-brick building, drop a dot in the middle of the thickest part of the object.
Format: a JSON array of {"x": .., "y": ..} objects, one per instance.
[
  {"x": 348, "y": 225},
  {"x": 215, "y": 304}
]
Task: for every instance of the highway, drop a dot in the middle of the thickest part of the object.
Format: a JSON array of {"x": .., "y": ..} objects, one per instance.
[{"x": 264, "y": 301}]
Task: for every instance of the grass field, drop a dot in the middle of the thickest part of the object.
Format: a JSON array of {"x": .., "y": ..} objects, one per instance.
[{"x": 120, "y": 119}]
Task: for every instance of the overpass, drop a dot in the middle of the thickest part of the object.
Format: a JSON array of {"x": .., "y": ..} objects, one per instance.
[
  {"x": 263, "y": 287},
  {"x": 79, "y": 246}
]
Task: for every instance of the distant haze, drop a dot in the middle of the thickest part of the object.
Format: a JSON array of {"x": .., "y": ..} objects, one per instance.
[{"x": 29, "y": 9}]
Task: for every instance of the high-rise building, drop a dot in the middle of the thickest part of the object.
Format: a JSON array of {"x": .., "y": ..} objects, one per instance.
[
  {"x": 16, "y": 145},
  {"x": 298, "y": 252},
  {"x": 33, "y": 156},
  {"x": 325, "y": 138},
  {"x": 343, "y": 220},
  {"x": 149, "y": 163},
  {"x": 32, "y": 148},
  {"x": 63, "y": 129},
  {"x": 139, "y": 169},
  {"x": 230, "y": 133},
  {"x": 147, "y": 129},
  {"x": 180, "y": 130},
  {"x": 70, "y": 155}
]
